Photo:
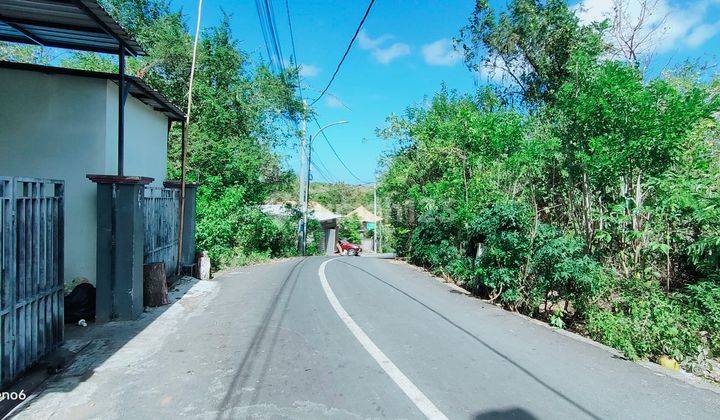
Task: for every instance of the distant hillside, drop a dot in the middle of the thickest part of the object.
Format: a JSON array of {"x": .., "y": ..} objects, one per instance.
[{"x": 340, "y": 197}]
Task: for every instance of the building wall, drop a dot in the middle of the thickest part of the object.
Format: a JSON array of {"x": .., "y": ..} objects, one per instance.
[
  {"x": 145, "y": 138},
  {"x": 51, "y": 127},
  {"x": 62, "y": 127}
]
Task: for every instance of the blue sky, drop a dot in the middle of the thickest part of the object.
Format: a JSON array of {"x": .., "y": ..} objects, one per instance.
[{"x": 403, "y": 54}]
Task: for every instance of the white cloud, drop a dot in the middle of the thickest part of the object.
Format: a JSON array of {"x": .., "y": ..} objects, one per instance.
[
  {"x": 333, "y": 102},
  {"x": 671, "y": 25},
  {"x": 386, "y": 55},
  {"x": 365, "y": 42},
  {"x": 441, "y": 53},
  {"x": 702, "y": 33},
  {"x": 309, "y": 70},
  {"x": 382, "y": 55}
]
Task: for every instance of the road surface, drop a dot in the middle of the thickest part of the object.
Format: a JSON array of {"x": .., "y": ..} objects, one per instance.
[{"x": 351, "y": 338}]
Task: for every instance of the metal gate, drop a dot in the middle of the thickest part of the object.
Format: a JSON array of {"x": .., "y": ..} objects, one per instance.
[
  {"x": 162, "y": 223},
  {"x": 31, "y": 271}
]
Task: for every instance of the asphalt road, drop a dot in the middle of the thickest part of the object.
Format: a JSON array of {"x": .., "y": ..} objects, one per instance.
[{"x": 353, "y": 338}]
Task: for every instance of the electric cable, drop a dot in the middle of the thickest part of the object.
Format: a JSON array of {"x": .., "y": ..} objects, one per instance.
[
  {"x": 347, "y": 50},
  {"x": 337, "y": 155}
]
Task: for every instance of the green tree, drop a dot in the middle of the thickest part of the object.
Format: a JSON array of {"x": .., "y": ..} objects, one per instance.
[
  {"x": 349, "y": 229},
  {"x": 593, "y": 205},
  {"x": 530, "y": 45}
]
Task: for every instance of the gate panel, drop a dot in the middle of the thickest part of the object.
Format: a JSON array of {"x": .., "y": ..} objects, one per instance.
[
  {"x": 162, "y": 222},
  {"x": 31, "y": 212},
  {"x": 7, "y": 279}
]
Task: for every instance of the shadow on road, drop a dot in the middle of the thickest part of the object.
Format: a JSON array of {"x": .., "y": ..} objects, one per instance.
[
  {"x": 479, "y": 340},
  {"x": 243, "y": 371},
  {"x": 510, "y": 413}
]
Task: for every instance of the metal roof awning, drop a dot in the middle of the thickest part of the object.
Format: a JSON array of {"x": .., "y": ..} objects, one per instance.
[
  {"x": 135, "y": 86},
  {"x": 154, "y": 99},
  {"x": 72, "y": 24}
]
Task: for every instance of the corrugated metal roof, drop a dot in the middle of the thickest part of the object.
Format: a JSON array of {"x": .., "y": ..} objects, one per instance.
[
  {"x": 135, "y": 86},
  {"x": 72, "y": 24}
]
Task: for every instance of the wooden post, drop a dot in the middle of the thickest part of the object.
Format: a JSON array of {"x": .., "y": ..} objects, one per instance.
[
  {"x": 182, "y": 198},
  {"x": 186, "y": 125},
  {"x": 186, "y": 242}
]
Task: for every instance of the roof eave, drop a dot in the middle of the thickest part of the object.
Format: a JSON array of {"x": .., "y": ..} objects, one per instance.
[
  {"x": 169, "y": 109},
  {"x": 82, "y": 25}
]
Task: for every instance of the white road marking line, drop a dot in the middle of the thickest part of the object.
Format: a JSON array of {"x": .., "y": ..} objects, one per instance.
[{"x": 416, "y": 396}]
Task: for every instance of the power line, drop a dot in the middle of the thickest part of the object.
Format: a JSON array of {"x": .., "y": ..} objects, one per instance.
[
  {"x": 336, "y": 154},
  {"x": 303, "y": 191},
  {"x": 323, "y": 166},
  {"x": 322, "y": 169},
  {"x": 313, "y": 163},
  {"x": 266, "y": 16},
  {"x": 347, "y": 50},
  {"x": 325, "y": 172},
  {"x": 273, "y": 31},
  {"x": 294, "y": 53},
  {"x": 322, "y": 174},
  {"x": 263, "y": 28}
]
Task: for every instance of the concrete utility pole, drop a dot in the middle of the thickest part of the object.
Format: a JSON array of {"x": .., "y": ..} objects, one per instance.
[
  {"x": 375, "y": 229},
  {"x": 380, "y": 238},
  {"x": 307, "y": 184},
  {"x": 301, "y": 189},
  {"x": 307, "y": 195}
]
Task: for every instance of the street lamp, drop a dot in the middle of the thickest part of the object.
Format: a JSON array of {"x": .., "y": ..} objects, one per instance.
[{"x": 307, "y": 183}]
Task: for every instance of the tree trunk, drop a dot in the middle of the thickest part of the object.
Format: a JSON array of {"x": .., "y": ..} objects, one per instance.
[
  {"x": 587, "y": 212},
  {"x": 637, "y": 217},
  {"x": 668, "y": 260},
  {"x": 155, "y": 292}
]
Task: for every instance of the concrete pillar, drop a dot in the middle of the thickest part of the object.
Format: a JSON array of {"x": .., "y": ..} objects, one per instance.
[
  {"x": 188, "y": 251},
  {"x": 330, "y": 235},
  {"x": 120, "y": 240}
]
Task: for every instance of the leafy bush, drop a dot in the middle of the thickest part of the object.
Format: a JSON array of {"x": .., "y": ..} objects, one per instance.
[
  {"x": 644, "y": 322},
  {"x": 563, "y": 270},
  {"x": 218, "y": 221},
  {"x": 437, "y": 255},
  {"x": 231, "y": 231},
  {"x": 430, "y": 245},
  {"x": 315, "y": 235},
  {"x": 503, "y": 232},
  {"x": 349, "y": 229},
  {"x": 579, "y": 222},
  {"x": 704, "y": 298}
]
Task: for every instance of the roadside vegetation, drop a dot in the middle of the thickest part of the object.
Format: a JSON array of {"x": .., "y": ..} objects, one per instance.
[
  {"x": 349, "y": 229},
  {"x": 577, "y": 189}
]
